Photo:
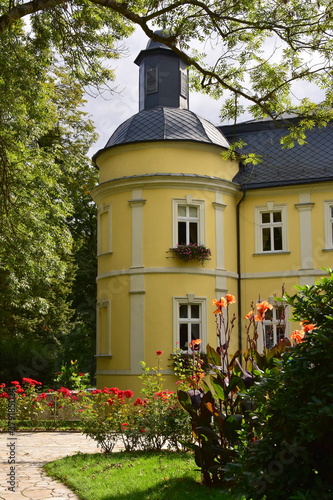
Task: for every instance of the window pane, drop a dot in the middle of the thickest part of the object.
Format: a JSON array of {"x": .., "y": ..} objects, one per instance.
[
  {"x": 269, "y": 314},
  {"x": 193, "y": 232},
  {"x": 151, "y": 81},
  {"x": 331, "y": 212},
  {"x": 277, "y": 216},
  {"x": 277, "y": 238},
  {"x": 195, "y": 311},
  {"x": 181, "y": 233},
  {"x": 183, "y": 336},
  {"x": 183, "y": 311},
  {"x": 266, "y": 217},
  {"x": 195, "y": 331},
  {"x": 183, "y": 84},
  {"x": 182, "y": 210},
  {"x": 193, "y": 211},
  {"x": 266, "y": 239}
]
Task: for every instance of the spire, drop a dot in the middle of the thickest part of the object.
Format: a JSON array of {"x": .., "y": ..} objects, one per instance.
[{"x": 163, "y": 77}]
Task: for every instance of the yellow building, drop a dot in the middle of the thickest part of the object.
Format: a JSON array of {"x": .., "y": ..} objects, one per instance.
[{"x": 163, "y": 183}]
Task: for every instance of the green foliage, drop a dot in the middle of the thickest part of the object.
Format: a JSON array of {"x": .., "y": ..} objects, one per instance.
[
  {"x": 187, "y": 365},
  {"x": 71, "y": 377},
  {"x": 46, "y": 213},
  {"x": 259, "y": 49},
  {"x": 290, "y": 455}
]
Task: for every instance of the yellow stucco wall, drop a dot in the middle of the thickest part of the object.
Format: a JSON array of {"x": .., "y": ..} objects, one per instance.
[{"x": 164, "y": 157}]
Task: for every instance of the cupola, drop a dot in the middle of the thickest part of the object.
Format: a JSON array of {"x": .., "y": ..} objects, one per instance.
[{"x": 163, "y": 77}]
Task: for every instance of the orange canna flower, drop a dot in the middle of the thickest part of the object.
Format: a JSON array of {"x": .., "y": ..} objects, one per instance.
[
  {"x": 249, "y": 315},
  {"x": 263, "y": 306},
  {"x": 307, "y": 327},
  {"x": 231, "y": 299},
  {"x": 219, "y": 304},
  {"x": 297, "y": 336},
  {"x": 194, "y": 343}
]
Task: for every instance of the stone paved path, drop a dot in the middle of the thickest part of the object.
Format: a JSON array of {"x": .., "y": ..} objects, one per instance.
[{"x": 31, "y": 450}]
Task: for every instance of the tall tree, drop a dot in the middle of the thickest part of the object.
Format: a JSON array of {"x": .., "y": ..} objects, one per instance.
[
  {"x": 260, "y": 47},
  {"x": 44, "y": 140}
]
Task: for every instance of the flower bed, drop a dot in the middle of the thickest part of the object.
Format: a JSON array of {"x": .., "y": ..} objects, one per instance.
[{"x": 106, "y": 415}]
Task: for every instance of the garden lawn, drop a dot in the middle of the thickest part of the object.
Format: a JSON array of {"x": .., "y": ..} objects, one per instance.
[{"x": 133, "y": 476}]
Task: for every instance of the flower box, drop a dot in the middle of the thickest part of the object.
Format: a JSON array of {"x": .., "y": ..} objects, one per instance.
[{"x": 192, "y": 251}]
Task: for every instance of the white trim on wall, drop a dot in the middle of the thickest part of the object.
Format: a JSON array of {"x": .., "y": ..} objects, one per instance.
[
  {"x": 137, "y": 203},
  {"x": 104, "y": 211},
  {"x": 103, "y": 307},
  {"x": 328, "y": 224}
]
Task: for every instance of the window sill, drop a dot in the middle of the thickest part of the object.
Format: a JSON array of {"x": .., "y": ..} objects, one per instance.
[
  {"x": 327, "y": 249},
  {"x": 103, "y": 355},
  {"x": 279, "y": 252}
]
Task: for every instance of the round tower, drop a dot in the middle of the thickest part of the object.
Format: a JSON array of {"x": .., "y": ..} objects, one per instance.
[{"x": 163, "y": 183}]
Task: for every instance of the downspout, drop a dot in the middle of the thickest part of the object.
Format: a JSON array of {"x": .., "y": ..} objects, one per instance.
[{"x": 239, "y": 288}]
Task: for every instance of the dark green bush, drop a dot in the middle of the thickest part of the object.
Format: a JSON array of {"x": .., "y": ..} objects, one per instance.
[{"x": 289, "y": 455}]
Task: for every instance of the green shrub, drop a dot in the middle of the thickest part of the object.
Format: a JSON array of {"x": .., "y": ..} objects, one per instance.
[
  {"x": 149, "y": 423},
  {"x": 291, "y": 453}
]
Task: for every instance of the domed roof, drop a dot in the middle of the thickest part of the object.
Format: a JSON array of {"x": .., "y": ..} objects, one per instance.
[
  {"x": 152, "y": 44},
  {"x": 166, "y": 124}
]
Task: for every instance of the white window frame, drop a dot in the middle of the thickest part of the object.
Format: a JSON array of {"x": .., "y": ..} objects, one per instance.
[
  {"x": 190, "y": 299},
  {"x": 328, "y": 224},
  {"x": 104, "y": 209},
  {"x": 189, "y": 201},
  {"x": 272, "y": 323},
  {"x": 270, "y": 207}
]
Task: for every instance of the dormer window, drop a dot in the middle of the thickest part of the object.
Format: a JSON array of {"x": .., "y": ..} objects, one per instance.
[{"x": 151, "y": 81}]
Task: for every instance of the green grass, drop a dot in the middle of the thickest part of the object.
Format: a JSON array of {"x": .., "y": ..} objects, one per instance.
[{"x": 161, "y": 475}]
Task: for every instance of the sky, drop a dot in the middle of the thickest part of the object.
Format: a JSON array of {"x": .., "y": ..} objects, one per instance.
[{"x": 110, "y": 110}]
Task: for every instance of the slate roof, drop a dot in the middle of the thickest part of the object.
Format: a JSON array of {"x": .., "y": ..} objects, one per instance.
[
  {"x": 312, "y": 162},
  {"x": 166, "y": 124}
]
